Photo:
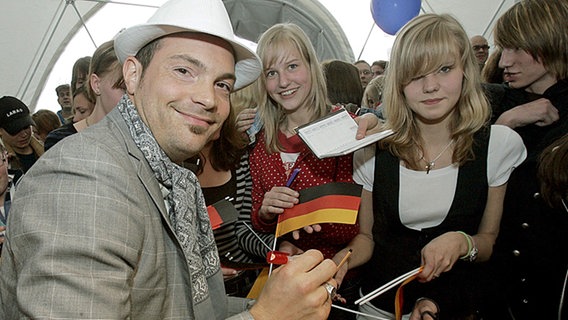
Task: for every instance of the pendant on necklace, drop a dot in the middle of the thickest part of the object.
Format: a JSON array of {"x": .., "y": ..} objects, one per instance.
[
  {"x": 429, "y": 167},
  {"x": 431, "y": 164}
]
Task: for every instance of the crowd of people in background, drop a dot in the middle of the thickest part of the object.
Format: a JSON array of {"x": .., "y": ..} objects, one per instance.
[{"x": 104, "y": 203}]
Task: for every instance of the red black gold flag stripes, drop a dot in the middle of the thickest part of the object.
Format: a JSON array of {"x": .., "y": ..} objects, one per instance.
[
  {"x": 399, "y": 297},
  {"x": 221, "y": 212},
  {"x": 336, "y": 202}
]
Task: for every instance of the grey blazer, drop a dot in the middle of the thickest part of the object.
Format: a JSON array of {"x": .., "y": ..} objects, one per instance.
[{"x": 88, "y": 237}]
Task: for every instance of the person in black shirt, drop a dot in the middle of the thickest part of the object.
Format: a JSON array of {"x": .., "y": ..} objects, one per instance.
[
  {"x": 16, "y": 133},
  {"x": 528, "y": 252}
]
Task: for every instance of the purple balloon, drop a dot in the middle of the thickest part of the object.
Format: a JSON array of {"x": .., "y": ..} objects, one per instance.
[{"x": 391, "y": 15}]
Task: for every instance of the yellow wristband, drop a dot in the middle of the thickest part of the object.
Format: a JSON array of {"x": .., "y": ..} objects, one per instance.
[{"x": 469, "y": 245}]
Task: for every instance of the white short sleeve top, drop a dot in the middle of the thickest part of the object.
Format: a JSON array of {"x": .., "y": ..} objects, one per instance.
[{"x": 425, "y": 199}]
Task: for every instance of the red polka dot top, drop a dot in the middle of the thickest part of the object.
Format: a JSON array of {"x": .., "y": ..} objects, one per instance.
[{"x": 268, "y": 170}]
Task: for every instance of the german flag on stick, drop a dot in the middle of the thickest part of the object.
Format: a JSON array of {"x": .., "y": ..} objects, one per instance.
[
  {"x": 335, "y": 202},
  {"x": 221, "y": 213}
]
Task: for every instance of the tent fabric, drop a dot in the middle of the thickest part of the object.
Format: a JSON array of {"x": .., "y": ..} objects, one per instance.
[
  {"x": 477, "y": 17},
  {"x": 251, "y": 18},
  {"x": 34, "y": 33},
  {"x": 32, "y": 36}
]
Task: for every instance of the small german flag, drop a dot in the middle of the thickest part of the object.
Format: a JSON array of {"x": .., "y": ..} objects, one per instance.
[
  {"x": 221, "y": 213},
  {"x": 335, "y": 202}
]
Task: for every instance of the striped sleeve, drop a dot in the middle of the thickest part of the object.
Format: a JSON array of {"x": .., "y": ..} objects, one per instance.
[{"x": 247, "y": 239}]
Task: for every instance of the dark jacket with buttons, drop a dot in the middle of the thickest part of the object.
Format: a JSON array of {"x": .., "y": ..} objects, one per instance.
[{"x": 531, "y": 252}]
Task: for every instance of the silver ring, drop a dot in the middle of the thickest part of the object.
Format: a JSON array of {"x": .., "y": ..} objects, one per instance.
[{"x": 331, "y": 290}]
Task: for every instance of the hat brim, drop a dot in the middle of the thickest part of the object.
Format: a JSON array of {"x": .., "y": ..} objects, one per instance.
[
  {"x": 129, "y": 41},
  {"x": 14, "y": 126}
]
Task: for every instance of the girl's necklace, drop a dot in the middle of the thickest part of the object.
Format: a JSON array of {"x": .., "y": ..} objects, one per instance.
[{"x": 431, "y": 164}]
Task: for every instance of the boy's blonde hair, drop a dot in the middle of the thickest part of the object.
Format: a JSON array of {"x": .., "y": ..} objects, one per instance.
[{"x": 539, "y": 28}]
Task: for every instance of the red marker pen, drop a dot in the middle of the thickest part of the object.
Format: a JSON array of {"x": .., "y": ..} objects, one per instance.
[{"x": 277, "y": 257}]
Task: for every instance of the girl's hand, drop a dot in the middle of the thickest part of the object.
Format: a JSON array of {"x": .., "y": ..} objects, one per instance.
[
  {"x": 342, "y": 271},
  {"x": 368, "y": 124},
  {"x": 425, "y": 309},
  {"x": 309, "y": 229},
  {"x": 245, "y": 119},
  {"x": 228, "y": 273},
  {"x": 440, "y": 254},
  {"x": 289, "y": 248},
  {"x": 275, "y": 201}
]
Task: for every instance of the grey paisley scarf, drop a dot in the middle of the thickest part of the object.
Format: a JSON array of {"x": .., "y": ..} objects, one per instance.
[{"x": 187, "y": 211}]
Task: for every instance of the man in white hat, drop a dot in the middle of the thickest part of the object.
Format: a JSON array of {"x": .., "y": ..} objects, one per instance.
[{"x": 107, "y": 225}]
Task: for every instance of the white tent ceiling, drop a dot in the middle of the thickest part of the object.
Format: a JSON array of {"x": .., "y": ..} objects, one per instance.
[
  {"x": 33, "y": 33},
  {"x": 32, "y": 36}
]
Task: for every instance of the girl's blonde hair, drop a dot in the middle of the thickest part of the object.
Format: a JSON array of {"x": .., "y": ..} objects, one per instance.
[
  {"x": 244, "y": 98},
  {"x": 103, "y": 62},
  {"x": 423, "y": 46},
  {"x": 273, "y": 43},
  {"x": 373, "y": 94}
]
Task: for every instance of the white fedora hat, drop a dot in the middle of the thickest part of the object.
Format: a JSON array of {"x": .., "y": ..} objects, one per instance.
[{"x": 203, "y": 16}]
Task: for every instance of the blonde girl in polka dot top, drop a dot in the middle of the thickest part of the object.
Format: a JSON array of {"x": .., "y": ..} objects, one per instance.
[{"x": 295, "y": 94}]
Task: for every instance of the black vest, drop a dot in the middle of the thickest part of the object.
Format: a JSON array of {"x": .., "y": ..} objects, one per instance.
[{"x": 397, "y": 248}]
